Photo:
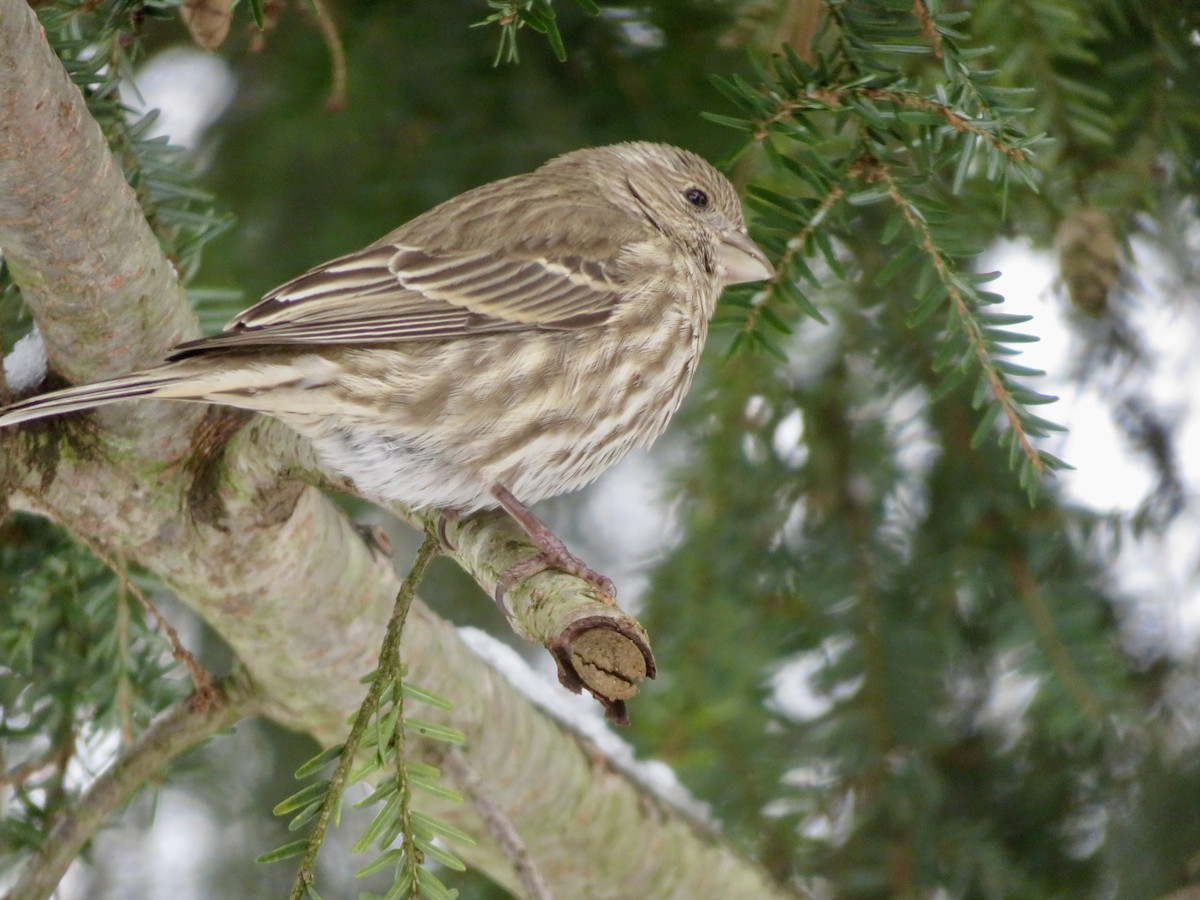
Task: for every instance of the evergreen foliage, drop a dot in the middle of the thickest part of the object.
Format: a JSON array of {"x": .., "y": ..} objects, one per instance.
[
  {"x": 512, "y": 15},
  {"x": 81, "y": 670},
  {"x": 855, "y": 524},
  {"x": 380, "y": 727}
]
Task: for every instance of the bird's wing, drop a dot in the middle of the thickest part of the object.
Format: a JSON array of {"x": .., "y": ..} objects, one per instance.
[{"x": 395, "y": 292}]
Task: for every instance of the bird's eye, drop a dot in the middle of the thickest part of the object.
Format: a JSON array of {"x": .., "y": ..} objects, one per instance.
[{"x": 696, "y": 197}]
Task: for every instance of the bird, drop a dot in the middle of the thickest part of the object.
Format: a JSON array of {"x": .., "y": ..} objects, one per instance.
[{"x": 508, "y": 345}]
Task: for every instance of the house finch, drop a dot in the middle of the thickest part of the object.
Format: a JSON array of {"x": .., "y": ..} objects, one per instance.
[{"x": 513, "y": 342}]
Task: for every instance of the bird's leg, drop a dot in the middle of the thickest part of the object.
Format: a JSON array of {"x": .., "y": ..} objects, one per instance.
[{"x": 554, "y": 553}]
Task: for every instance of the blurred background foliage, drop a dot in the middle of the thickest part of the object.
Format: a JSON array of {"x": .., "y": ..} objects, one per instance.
[{"x": 888, "y": 672}]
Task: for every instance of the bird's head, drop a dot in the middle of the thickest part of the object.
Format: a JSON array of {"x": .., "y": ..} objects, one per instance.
[{"x": 682, "y": 196}]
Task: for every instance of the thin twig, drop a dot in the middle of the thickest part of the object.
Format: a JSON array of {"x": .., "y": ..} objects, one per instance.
[
  {"x": 337, "y": 55},
  {"x": 124, "y": 687},
  {"x": 385, "y": 676},
  {"x": 795, "y": 248},
  {"x": 834, "y": 99},
  {"x": 22, "y": 772},
  {"x": 1048, "y": 634},
  {"x": 201, "y": 678},
  {"x": 971, "y": 327},
  {"x": 179, "y": 729},
  {"x": 498, "y": 823},
  {"x": 928, "y": 27},
  {"x": 5, "y": 393},
  {"x": 391, "y": 668}
]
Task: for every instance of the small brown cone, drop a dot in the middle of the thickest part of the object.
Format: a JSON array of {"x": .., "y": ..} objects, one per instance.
[
  {"x": 1089, "y": 258},
  {"x": 208, "y": 21}
]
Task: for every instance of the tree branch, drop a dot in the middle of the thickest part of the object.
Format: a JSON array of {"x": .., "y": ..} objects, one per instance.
[
  {"x": 270, "y": 563},
  {"x": 596, "y": 645},
  {"x": 105, "y": 298},
  {"x": 174, "y": 732},
  {"x": 499, "y": 824}
]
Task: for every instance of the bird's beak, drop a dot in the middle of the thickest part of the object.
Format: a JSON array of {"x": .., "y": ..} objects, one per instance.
[{"x": 740, "y": 259}]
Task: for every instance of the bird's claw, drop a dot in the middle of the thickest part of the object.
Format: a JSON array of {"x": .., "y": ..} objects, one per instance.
[
  {"x": 445, "y": 518},
  {"x": 558, "y": 558}
]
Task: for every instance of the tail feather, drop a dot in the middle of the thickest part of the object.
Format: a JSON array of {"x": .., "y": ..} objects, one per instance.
[{"x": 73, "y": 399}]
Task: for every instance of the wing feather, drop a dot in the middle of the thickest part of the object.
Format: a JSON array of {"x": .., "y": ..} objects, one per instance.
[{"x": 398, "y": 292}]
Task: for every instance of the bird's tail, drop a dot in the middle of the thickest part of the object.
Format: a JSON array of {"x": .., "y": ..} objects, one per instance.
[{"x": 137, "y": 384}]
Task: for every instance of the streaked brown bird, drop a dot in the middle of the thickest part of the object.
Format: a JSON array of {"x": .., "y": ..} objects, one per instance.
[{"x": 513, "y": 342}]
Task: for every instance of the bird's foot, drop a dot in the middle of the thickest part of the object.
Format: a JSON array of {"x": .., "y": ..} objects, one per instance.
[
  {"x": 553, "y": 553},
  {"x": 557, "y": 557}
]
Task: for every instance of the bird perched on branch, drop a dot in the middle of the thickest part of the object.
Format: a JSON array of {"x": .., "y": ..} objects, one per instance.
[{"x": 508, "y": 345}]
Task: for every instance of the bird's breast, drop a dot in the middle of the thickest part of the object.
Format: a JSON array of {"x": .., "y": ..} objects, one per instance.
[{"x": 540, "y": 412}]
